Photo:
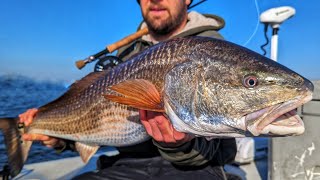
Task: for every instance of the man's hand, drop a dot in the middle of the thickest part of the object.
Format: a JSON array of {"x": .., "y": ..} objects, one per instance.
[
  {"x": 48, "y": 141},
  {"x": 161, "y": 129},
  {"x": 28, "y": 116}
]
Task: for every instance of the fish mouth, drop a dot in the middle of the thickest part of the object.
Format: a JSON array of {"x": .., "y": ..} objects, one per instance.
[{"x": 278, "y": 120}]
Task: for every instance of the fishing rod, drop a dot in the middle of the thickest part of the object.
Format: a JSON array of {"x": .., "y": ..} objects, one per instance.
[
  {"x": 115, "y": 46},
  {"x": 109, "y": 49},
  {"x": 196, "y": 4}
]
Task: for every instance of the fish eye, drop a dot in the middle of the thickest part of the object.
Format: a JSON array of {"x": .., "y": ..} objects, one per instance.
[{"x": 250, "y": 81}]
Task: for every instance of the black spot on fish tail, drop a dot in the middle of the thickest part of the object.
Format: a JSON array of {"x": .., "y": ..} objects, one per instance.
[{"x": 17, "y": 150}]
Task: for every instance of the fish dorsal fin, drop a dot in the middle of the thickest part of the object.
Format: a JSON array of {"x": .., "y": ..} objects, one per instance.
[
  {"x": 86, "y": 151},
  {"x": 137, "y": 93},
  {"x": 76, "y": 88}
]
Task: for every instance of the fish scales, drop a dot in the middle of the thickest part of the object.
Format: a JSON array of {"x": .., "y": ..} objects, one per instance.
[{"x": 87, "y": 116}]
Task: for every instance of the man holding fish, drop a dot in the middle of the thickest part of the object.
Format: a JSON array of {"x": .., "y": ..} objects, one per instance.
[
  {"x": 166, "y": 19},
  {"x": 202, "y": 95}
]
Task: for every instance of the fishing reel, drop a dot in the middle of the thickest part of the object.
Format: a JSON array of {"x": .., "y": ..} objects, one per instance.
[{"x": 106, "y": 62}]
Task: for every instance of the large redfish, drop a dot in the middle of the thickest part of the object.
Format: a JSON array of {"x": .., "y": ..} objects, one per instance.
[{"x": 207, "y": 87}]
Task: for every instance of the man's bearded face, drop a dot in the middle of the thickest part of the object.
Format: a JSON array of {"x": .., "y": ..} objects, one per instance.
[{"x": 163, "y": 17}]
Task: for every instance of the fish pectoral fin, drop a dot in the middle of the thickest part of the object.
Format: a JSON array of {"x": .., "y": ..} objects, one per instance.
[
  {"x": 86, "y": 151},
  {"x": 137, "y": 93}
]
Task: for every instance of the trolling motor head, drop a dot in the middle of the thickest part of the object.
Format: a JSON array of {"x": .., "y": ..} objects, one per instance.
[{"x": 276, "y": 16}]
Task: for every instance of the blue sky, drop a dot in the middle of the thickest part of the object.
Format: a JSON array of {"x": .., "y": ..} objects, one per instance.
[{"x": 43, "y": 39}]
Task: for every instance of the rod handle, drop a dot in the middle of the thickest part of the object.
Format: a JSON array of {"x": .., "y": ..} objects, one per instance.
[{"x": 127, "y": 40}]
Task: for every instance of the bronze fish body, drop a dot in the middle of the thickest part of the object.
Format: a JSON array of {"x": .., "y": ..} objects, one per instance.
[{"x": 207, "y": 87}]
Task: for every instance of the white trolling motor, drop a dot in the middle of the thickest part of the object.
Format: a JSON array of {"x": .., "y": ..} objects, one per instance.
[{"x": 274, "y": 17}]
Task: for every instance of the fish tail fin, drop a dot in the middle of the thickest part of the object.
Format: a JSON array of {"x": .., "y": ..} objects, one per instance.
[{"x": 17, "y": 150}]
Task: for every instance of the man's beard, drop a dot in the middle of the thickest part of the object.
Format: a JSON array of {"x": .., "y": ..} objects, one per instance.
[{"x": 168, "y": 25}]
